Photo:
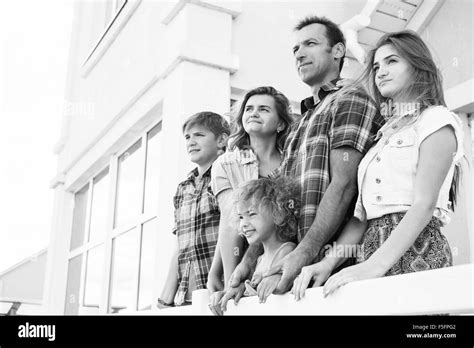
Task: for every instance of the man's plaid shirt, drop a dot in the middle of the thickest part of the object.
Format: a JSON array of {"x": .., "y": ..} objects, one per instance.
[
  {"x": 196, "y": 226},
  {"x": 353, "y": 122}
]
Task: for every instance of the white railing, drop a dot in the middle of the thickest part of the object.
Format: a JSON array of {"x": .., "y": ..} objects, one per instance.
[{"x": 447, "y": 290}]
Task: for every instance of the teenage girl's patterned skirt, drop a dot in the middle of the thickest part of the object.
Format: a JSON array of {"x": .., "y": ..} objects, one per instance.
[{"x": 430, "y": 250}]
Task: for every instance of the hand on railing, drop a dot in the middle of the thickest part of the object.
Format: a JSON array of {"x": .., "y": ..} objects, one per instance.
[
  {"x": 162, "y": 304},
  {"x": 215, "y": 302},
  {"x": 289, "y": 266},
  {"x": 318, "y": 273},
  {"x": 361, "y": 271},
  {"x": 235, "y": 293},
  {"x": 235, "y": 290},
  {"x": 214, "y": 283},
  {"x": 267, "y": 286}
]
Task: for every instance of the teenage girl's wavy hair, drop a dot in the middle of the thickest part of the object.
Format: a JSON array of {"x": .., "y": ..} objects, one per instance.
[
  {"x": 239, "y": 137},
  {"x": 426, "y": 86},
  {"x": 280, "y": 197}
]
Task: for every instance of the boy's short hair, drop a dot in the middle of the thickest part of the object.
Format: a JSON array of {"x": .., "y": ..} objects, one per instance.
[{"x": 210, "y": 120}]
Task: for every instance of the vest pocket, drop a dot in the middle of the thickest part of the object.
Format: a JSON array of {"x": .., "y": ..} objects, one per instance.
[{"x": 401, "y": 146}]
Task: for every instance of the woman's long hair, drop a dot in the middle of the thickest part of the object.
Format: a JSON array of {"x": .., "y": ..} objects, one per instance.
[
  {"x": 240, "y": 138},
  {"x": 426, "y": 86}
]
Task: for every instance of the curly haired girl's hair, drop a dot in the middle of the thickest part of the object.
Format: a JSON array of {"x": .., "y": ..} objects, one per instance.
[{"x": 280, "y": 197}]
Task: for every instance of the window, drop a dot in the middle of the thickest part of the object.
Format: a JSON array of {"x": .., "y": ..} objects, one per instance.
[
  {"x": 112, "y": 8},
  {"x": 147, "y": 263},
  {"x": 129, "y": 185},
  {"x": 73, "y": 285},
  {"x": 93, "y": 279},
  {"x": 153, "y": 163},
  {"x": 86, "y": 263},
  {"x": 124, "y": 271},
  {"x": 107, "y": 31},
  {"x": 114, "y": 233},
  {"x": 98, "y": 221},
  {"x": 79, "y": 217}
]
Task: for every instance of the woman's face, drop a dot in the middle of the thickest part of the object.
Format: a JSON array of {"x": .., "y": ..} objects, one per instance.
[
  {"x": 392, "y": 73},
  {"x": 260, "y": 116}
]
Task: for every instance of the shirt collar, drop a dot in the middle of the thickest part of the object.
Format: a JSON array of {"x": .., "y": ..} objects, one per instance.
[
  {"x": 193, "y": 174},
  {"x": 400, "y": 121},
  {"x": 247, "y": 155},
  {"x": 324, "y": 91}
]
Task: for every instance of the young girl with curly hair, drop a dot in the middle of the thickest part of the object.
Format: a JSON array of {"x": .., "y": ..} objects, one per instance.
[{"x": 268, "y": 212}]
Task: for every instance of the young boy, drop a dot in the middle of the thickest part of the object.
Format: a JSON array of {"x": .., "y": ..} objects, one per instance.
[{"x": 196, "y": 211}]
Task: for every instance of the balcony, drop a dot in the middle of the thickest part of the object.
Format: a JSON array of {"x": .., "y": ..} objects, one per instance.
[{"x": 441, "y": 291}]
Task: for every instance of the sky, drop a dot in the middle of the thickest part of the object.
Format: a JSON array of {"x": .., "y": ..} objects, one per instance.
[{"x": 34, "y": 49}]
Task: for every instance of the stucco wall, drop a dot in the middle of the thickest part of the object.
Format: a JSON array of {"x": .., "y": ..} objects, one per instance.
[
  {"x": 450, "y": 36},
  {"x": 125, "y": 68}
]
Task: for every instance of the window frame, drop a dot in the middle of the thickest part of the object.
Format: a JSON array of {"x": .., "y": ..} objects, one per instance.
[
  {"x": 112, "y": 232},
  {"x": 110, "y": 33}
]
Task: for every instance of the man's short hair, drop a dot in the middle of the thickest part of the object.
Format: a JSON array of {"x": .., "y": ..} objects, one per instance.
[
  {"x": 333, "y": 32},
  {"x": 210, "y": 120}
]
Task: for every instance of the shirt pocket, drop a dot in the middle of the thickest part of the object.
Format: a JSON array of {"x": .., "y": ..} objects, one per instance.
[
  {"x": 209, "y": 203},
  {"x": 401, "y": 147}
]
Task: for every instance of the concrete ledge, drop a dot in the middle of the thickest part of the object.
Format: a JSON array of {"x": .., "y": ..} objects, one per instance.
[
  {"x": 447, "y": 290},
  {"x": 59, "y": 179},
  {"x": 234, "y": 8},
  {"x": 210, "y": 58}
]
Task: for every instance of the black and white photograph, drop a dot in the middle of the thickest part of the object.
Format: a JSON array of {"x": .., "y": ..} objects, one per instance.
[{"x": 173, "y": 162}]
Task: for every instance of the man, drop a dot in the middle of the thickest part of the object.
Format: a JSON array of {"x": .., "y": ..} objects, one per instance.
[{"x": 323, "y": 151}]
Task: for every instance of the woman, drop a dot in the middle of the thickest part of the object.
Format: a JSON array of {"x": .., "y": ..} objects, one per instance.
[
  {"x": 407, "y": 181},
  {"x": 262, "y": 124}
]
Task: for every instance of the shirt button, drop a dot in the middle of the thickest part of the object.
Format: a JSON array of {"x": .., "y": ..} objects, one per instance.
[
  {"x": 379, "y": 198},
  {"x": 394, "y": 126},
  {"x": 399, "y": 142},
  {"x": 386, "y": 142},
  {"x": 378, "y": 159},
  {"x": 378, "y": 181}
]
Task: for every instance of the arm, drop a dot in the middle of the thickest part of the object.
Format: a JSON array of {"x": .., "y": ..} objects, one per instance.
[
  {"x": 333, "y": 207},
  {"x": 171, "y": 286},
  {"x": 229, "y": 241},
  {"x": 320, "y": 272},
  {"x": 344, "y": 162},
  {"x": 214, "y": 282},
  {"x": 267, "y": 285},
  {"x": 436, "y": 155},
  {"x": 351, "y": 236},
  {"x": 242, "y": 272}
]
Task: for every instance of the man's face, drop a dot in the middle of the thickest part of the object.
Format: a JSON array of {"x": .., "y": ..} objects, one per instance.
[{"x": 314, "y": 57}]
